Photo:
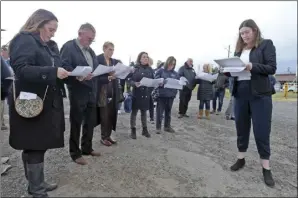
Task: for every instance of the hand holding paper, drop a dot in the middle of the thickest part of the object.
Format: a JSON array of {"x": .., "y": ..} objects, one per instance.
[
  {"x": 206, "y": 76},
  {"x": 101, "y": 69},
  {"x": 148, "y": 82}
]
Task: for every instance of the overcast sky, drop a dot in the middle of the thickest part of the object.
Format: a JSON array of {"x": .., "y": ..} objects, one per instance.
[{"x": 200, "y": 30}]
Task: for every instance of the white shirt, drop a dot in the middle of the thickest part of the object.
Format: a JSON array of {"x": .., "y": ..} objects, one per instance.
[{"x": 245, "y": 75}]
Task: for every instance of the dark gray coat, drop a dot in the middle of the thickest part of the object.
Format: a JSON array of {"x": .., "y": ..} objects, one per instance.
[
  {"x": 31, "y": 61},
  {"x": 141, "y": 95},
  {"x": 205, "y": 90}
]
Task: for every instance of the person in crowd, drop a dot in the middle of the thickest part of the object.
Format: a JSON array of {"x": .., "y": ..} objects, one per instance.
[
  {"x": 6, "y": 60},
  {"x": 253, "y": 95},
  {"x": 81, "y": 92},
  {"x": 221, "y": 83},
  {"x": 37, "y": 72},
  {"x": 109, "y": 96},
  {"x": 151, "y": 105},
  {"x": 122, "y": 83},
  {"x": 189, "y": 73},
  {"x": 286, "y": 90},
  {"x": 205, "y": 94},
  {"x": 140, "y": 94},
  {"x": 230, "y": 110},
  {"x": 6, "y": 82},
  {"x": 166, "y": 96}
]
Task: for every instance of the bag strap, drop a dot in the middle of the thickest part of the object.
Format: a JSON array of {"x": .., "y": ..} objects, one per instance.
[{"x": 45, "y": 94}]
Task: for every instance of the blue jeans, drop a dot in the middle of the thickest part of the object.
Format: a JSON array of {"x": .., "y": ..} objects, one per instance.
[
  {"x": 220, "y": 94},
  {"x": 206, "y": 103},
  {"x": 164, "y": 106}
]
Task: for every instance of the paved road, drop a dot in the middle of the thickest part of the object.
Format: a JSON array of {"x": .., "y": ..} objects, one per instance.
[{"x": 193, "y": 162}]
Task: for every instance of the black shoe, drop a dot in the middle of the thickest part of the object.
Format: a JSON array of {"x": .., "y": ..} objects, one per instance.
[
  {"x": 185, "y": 115},
  {"x": 133, "y": 133},
  {"x": 180, "y": 116},
  {"x": 158, "y": 131},
  {"x": 169, "y": 130},
  {"x": 268, "y": 179},
  {"x": 146, "y": 133},
  {"x": 238, "y": 165}
]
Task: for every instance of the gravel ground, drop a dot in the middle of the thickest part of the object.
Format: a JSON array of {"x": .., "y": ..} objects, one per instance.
[{"x": 193, "y": 162}]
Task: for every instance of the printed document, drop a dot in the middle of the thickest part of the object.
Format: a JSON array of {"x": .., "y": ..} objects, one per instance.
[
  {"x": 81, "y": 71},
  {"x": 206, "y": 76},
  {"x": 148, "y": 82},
  {"x": 102, "y": 69},
  {"x": 172, "y": 83},
  {"x": 122, "y": 71}
]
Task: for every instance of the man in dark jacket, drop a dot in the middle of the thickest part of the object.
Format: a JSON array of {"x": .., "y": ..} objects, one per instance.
[
  {"x": 82, "y": 92},
  {"x": 189, "y": 73},
  {"x": 221, "y": 83}
]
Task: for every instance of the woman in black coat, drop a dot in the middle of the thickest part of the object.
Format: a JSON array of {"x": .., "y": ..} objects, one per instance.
[
  {"x": 140, "y": 94},
  {"x": 205, "y": 94},
  {"x": 253, "y": 95},
  {"x": 36, "y": 69}
]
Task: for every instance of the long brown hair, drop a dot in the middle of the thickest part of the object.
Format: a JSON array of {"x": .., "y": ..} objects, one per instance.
[
  {"x": 251, "y": 24},
  {"x": 138, "y": 62},
  {"x": 170, "y": 60},
  {"x": 37, "y": 20}
]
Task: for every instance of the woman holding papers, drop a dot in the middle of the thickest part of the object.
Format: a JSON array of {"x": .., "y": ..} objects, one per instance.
[
  {"x": 108, "y": 97},
  {"x": 37, "y": 73},
  {"x": 166, "y": 96},
  {"x": 205, "y": 93},
  {"x": 253, "y": 95},
  {"x": 140, "y": 94}
]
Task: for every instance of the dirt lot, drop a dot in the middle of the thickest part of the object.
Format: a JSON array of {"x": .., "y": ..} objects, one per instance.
[{"x": 193, "y": 162}]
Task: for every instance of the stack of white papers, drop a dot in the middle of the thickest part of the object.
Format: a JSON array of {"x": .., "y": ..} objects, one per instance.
[
  {"x": 233, "y": 65},
  {"x": 206, "y": 76},
  {"x": 81, "y": 71},
  {"x": 149, "y": 82}
]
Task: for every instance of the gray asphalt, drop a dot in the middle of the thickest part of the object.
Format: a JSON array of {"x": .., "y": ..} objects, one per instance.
[{"x": 193, "y": 162}]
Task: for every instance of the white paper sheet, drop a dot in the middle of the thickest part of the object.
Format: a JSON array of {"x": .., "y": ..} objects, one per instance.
[
  {"x": 230, "y": 62},
  {"x": 233, "y": 69},
  {"x": 102, "y": 69},
  {"x": 148, "y": 82},
  {"x": 81, "y": 71},
  {"x": 183, "y": 79},
  {"x": 27, "y": 96},
  {"x": 172, "y": 83},
  {"x": 206, "y": 76},
  {"x": 122, "y": 71},
  {"x": 241, "y": 74}
]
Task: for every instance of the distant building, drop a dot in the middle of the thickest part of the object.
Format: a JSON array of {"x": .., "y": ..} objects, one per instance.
[{"x": 282, "y": 78}]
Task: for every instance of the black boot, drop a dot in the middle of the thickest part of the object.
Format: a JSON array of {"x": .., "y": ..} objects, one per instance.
[
  {"x": 238, "y": 165},
  {"x": 35, "y": 174},
  {"x": 133, "y": 133},
  {"x": 268, "y": 179},
  {"x": 145, "y": 132},
  {"x": 48, "y": 187}
]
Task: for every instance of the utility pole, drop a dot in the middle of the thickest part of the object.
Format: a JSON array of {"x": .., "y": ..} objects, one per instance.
[{"x": 229, "y": 50}]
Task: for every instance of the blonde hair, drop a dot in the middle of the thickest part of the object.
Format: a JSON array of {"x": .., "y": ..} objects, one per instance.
[
  {"x": 107, "y": 44},
  {"x": 209, "y": 67},
  {"x": 37, "y": 20}
]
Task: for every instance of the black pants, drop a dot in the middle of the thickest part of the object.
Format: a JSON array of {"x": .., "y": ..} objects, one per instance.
[
  {"x": 259, "y": 110},
  {"x": 185, "y": 96},
  {"x": 81, "y": 114},
  {"x": 33, "y": 156},
  {"x": 151, "y": 109},
  {"x": 164, "y": 105},
  {"x": 133, "y": 118},
  {"x": 106, "y": 120}
]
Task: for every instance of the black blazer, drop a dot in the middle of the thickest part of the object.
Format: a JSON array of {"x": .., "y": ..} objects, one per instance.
[{"x": 263, "y": 59}]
